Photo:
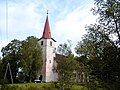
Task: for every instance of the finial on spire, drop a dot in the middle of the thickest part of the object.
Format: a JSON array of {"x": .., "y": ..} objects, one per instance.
[{"x": 47, "y": 12}]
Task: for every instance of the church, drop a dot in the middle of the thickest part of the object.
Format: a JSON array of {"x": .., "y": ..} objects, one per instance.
[
  {"x": 47, "y": 43},
  {"x": 50, "y": 57}
]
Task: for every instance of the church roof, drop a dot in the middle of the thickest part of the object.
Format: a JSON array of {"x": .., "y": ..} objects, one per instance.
[
  {"x": 46, "y": 32},
  {"x": 59, "y": 57}
]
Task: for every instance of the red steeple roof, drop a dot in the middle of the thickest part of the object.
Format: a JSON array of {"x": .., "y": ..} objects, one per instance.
[{"x": 46, "y": 32}]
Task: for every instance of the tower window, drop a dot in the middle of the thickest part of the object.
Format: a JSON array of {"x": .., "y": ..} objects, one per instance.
[
  {"x": 41, "y": 42},
  {"x": 50, "y": 43},
  {"x": 54, "y": 50},
  {"x": 50, "y": 61}
]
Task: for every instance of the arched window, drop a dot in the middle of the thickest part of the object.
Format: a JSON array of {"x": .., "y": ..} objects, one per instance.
[
  {"x": 50, "y": 43},
  {"x": 41, "y": 43}
]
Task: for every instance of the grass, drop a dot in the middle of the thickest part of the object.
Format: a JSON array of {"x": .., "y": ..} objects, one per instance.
[
  {"x": 38, "y": 86},
  {"x": 76, "y": 87}
]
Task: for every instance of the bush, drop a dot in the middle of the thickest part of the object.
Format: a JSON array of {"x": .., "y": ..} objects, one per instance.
[
  {"x": 8, "y": 87},
  {"x": 28, "y": 86},
  {"x": 37, "y": 86},
  {"x": 34, "y": 88},
  {"x": 50, "y": 86}
]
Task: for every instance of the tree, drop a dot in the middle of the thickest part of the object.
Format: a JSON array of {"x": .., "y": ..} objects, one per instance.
[
  {"x": 86, "y": 50},
  {"x": 109, "y": 19},
  {"x": 65, "y": 49},
  {"x": 66, "y": 66},
  {"x": 101, "y": 45},
  {"x": 101, "y": 58},
  {"x": 109, "y": 23},
  {"x": 11, "y": 54},
  {"x": 31, "y": 59}
]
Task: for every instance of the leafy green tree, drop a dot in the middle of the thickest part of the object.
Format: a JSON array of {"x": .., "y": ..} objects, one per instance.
[
  {"x": 31, "y": 59},
  {"x": 109, "y": 23},
  {"x": 64, "y": 49},
  {"x": 66, "y": 66},
  {"x": 11, "y": 54},
  {"x": 102, "y": 58},
  {"x": 101, "y": 45},
  {"x": 109, "y": 19},
  {"x": 86, "y": 50}
]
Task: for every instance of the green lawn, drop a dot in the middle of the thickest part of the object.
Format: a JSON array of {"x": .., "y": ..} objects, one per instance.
[{"x": 37, "y": 86}]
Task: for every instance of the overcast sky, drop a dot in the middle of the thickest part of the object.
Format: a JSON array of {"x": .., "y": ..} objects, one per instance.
[{"x": 67, "y": 19}]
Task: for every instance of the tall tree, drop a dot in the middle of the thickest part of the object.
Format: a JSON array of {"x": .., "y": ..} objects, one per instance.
[
  {"x": 11, "y": 54},
  {"x": 101, "y": 45},
  {"x": 31, "y": 58},
  {"x": 109, "y": 21},
  {"x": 66, "y": 66}
]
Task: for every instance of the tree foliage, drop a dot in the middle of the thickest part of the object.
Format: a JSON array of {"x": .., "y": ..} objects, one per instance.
[
  {"x": 109, "y": 19},
  {"x": 31, "y": 58},
  {"x": 25, "y": 56},
  {"x": 101, "y": 46},
  {"x": 66, "y": 66},
  {"x": 11, "y": 54}
]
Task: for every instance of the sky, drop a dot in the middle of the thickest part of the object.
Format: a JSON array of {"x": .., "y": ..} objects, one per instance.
[{"x": 67, "y": 19}]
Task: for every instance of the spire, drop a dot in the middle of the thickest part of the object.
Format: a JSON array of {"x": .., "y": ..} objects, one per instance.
[{"x": 46, "y": 32}]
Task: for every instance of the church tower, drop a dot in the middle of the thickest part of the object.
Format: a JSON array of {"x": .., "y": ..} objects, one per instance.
[{"x": 47, "y": 43}]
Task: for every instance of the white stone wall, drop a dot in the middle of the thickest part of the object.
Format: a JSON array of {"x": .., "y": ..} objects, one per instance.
[{"x": 48, "y": 60}]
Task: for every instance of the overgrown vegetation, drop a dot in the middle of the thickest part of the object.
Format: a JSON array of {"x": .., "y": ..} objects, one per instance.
[{"x": 37, "y": 86}]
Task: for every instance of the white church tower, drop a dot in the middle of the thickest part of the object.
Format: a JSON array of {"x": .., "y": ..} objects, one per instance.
[{"x": 47, "y": 44}]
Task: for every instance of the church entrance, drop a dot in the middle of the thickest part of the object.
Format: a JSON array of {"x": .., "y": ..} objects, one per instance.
[{"x": 40, "y": 78}]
